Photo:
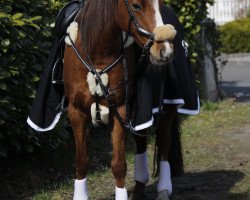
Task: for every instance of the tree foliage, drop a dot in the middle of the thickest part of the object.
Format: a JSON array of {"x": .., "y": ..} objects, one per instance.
[{"x": 191, "y": 14}]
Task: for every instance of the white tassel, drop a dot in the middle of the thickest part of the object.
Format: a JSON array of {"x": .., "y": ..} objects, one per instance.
[
  {"x": 72, "y": 30},
  {"x": 93, "y": 114},
  {"x": 104, "y": 114},
  {"x": 91, "y": 83},
  {"x": 96, "y": 88},
  {"x": 104, "y": 78}
]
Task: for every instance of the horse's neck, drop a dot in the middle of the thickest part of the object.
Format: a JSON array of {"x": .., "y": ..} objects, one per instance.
[{"x": 108, "y": 48}]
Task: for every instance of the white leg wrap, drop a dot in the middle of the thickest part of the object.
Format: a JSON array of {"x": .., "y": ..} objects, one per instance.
[
  {"x": 141, "y": 168},
  {"x": 164, "y": 182},
  {"x": 121, "y": 194},
  {"x": 81, "y": 192}
]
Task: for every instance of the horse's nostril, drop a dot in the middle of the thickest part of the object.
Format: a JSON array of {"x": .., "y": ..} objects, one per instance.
[{"x": 162, "y": 53}]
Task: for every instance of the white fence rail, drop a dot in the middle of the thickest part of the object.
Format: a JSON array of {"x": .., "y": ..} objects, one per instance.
[{"x": 228, "y": 10}]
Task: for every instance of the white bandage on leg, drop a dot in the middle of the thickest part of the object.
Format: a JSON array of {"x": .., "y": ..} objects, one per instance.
[
  {"x": 164, "y": 182},
  {"x": 121, "y": 194},
  {"x": 81, "y": 192},
  {"x": 141, "y": 168}
]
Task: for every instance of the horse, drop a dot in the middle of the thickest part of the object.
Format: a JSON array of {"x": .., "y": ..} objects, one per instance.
[{"x": 94, "y": 79}]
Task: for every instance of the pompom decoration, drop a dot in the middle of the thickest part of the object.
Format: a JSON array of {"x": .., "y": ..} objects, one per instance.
[{"x": 165, "y": 32}]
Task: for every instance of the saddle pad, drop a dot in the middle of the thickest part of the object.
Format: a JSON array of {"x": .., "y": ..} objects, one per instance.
[{"x": 66, "y": 16}]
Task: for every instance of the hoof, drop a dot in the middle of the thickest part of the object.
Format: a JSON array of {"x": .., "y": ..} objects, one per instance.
[
  {"x": 138, "y": 197},
  {"x": 138, "y": 194},
  {"x": 163, "y": 195}
]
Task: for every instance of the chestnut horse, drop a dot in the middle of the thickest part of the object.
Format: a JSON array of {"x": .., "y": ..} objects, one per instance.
[{"x": 99, "y": 45}]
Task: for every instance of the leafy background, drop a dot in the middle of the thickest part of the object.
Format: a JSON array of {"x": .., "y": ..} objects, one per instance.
[
  {"x": 26, "y": 33},
  {"x": 235, "y": 36}
]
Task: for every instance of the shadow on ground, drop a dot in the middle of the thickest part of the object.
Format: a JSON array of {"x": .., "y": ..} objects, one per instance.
[
  {"x": 22, "y": 177},
  {"x": 232, "y": 89},
  {"x": 211, "y": 185}
]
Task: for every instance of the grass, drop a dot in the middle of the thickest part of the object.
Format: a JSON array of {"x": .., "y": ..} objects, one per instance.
[
  {"x": 215, "y": 117},
  {"x": 217, "y": 140},
  {"x": 215, "y": 158}
]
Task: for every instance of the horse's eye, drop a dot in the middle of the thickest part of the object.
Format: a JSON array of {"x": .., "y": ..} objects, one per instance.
[{"x": 137, "y": 6}]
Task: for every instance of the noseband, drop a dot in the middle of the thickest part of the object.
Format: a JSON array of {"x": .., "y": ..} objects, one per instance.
[{"x": 133, "y": 19}]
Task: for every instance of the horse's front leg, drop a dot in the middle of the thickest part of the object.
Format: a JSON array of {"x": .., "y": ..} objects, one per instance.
[
  {"x": 118, "y": 164},
  {"x": 164, "y": 186},
  {"x": 78, "y": 121}
]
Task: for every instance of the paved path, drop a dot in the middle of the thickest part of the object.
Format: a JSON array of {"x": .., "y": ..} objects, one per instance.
[{"x": 236, "y": 79}]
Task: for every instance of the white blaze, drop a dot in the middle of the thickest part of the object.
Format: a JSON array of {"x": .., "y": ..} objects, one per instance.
[
  {"x": 158, "y": 18},
  {"x": 159, "y": 22}
]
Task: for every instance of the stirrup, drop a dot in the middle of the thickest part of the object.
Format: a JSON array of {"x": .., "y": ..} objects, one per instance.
[
  {"x": 57, "y": 66},
  {"x": 57, "y": 69}
]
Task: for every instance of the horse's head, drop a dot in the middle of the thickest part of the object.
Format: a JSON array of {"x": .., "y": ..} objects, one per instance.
[{"x": 142, "y": 19}]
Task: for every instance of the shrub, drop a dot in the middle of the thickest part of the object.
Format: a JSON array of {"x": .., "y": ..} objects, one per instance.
[
  {"x": 25, "y": 37},
  {"x": 191, "y": 14},
  {"x": 235, "y": 36}
]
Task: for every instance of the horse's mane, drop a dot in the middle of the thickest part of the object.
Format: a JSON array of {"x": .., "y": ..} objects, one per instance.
[{"x": 97, "y": 17}]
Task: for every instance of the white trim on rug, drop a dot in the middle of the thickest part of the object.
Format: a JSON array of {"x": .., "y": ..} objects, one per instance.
[
  {"x": 37, "y": 128},
  {"x": 179, "y": 102},
  {"x": 144, "y": 125}
]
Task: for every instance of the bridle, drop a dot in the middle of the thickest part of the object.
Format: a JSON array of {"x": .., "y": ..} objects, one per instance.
[{"x": 133, "y": 19}]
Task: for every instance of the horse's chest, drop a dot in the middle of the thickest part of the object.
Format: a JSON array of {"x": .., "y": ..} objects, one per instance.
[{"x": 111, "y": 82}]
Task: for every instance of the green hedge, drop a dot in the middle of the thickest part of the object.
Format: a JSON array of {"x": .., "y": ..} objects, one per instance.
[
  {"x": 191, "y": 14},
  {"x": 235, "y": 36},
  {"x": 25, "y": 37}
]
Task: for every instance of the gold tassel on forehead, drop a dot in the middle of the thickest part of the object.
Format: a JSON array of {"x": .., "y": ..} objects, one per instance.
[{"x": 165, "y": 32}]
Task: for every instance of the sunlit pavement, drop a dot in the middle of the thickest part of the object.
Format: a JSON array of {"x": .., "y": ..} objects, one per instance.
[{"x": 236, "y": 78}]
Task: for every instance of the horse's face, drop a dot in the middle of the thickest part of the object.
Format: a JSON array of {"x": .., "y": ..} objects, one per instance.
[{"x": 146, "y": 14}]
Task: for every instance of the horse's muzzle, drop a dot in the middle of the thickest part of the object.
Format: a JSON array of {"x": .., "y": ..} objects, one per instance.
[
  {"x": 161, "y": 53},
  {"x": 162, "y": 50}
]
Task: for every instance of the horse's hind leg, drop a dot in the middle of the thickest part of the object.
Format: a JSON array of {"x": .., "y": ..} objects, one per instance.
[
  {"x": 78, "y": 122},
  {"x": 164, "y": 186},
  {"x": 118, "y": 164},
  {"x": 141, "y": 173}
]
